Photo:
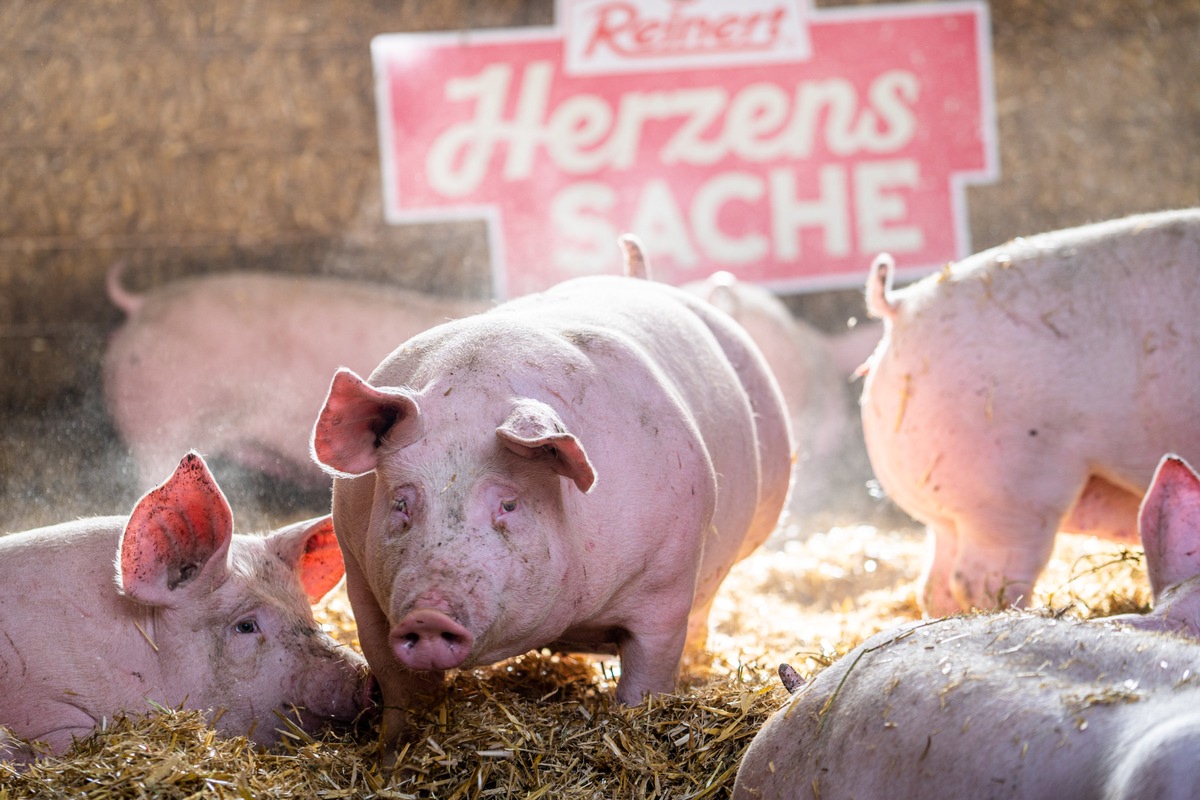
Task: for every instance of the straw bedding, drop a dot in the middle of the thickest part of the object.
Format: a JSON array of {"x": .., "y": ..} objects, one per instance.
[{"x": 545, "y": 725}]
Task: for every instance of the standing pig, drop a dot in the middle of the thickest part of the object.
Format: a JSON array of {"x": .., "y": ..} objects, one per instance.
[
  {"x": 1012, "y": 705},
  {"x": 198, "y": 617},
  {"x": 236, "y": 365},
  {"x": 1032, "y": 388},
  {"x": 578, "y": 467}
]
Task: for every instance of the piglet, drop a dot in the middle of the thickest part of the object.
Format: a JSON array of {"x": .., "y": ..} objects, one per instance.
[
  {"x": 1013, "y": 705},
  {"x": 198, "y": 617},
  {"x": 1032, "y": 388},
  {"x": 579, "y": 467}
]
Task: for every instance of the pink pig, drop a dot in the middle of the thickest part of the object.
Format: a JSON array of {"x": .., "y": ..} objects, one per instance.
[
  {"x": 1011, "y": 705},
  {"x": 198, "y": 617},
  {"x": 1031, "y": 388},
  {"x": 236, "y": 365},
  {"x": 579, "y": 467},
  {"x": 813, "y": 371}
]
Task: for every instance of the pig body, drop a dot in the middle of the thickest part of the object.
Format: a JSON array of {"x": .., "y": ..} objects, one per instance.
[
  {"x": 236, "y": 365},
  {"x": 580, "y": 466},
  {"x": 1032, "y": 388},
  {"x": 1011, "y": 705},
  {"x": 814, "y": 376},
  {"x": 197, "y": 617}
]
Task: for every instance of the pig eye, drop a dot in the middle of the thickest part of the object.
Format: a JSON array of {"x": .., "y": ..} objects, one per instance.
[
  {"x": 400, "y": 509},
  {"x": 508, "y": 506},
  {"x": 401, "y": 516},
  {"x": 245, "y": 626}
]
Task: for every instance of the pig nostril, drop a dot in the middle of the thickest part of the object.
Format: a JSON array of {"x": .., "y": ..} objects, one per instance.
[{"x": 428, "y": 639}]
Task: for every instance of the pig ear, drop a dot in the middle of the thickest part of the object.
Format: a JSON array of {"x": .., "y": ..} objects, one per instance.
[
  {"x": 311, "y": 549},
  {"x": 1169, "y": 522},
  {"x": 354, "y": 422},
  {"x": 534, "y": 429},
  {"x": 721, "y": 294},
  {"x": 177, "y": 537}
]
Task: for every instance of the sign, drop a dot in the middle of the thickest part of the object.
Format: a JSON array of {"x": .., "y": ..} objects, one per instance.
[{"x": 788, "y": 146}]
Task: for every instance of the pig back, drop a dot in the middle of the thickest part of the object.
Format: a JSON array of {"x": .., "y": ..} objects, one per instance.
[
  {"x": 234, "y": 364},
  {"x": 718, "y": 380},
  {"x": 59, "y": 612},
  {"x": 1024, "y": 704}
]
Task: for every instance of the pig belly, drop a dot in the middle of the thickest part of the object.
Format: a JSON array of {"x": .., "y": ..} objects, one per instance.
[{"x": 1106, "y": 510}]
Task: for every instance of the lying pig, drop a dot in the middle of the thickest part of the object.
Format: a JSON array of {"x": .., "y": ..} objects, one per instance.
[
  {"x": 198, "y": 617},
  {"x": 578, "y": 467},
  {"x": 235, "y": 365},
  {"x": 1031, "y": 388},
  {"x": 1012, "y": 705},
  {"x": 813, "y": 370}
]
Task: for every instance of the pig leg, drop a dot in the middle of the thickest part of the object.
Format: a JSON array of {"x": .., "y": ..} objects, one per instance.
[
  {"x": 649, "y": 665},
  {"x": 937, "y": 600},
  {"x": 402, "y": 689},
  {"x": 650, "y": 656},
  {"x": 697, "y": 632},
  {"x": 995, "y": 568},
  {"x": 1002, "y": 551}
]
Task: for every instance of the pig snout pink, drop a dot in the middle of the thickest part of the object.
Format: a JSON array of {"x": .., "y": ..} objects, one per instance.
[{"x": 429, "y": 639}]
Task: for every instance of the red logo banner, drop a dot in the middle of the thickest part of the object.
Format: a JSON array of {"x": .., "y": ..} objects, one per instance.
[{"x": 785, "y": 145}]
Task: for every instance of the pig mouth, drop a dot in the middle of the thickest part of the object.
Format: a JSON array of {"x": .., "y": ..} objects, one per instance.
[
  {"x": 340, "y": 707},
  {"x": 429, "y": 639}
]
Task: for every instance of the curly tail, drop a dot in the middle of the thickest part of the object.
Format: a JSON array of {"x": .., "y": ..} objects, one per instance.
[
  {"x": 881, "y": 304},
  {"x": 121, "y": 298}
]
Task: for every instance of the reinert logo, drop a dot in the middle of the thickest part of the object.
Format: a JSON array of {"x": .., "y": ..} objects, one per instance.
[
  {"x": 627, "y": 30},
  {"x": 603, "y": 37}
]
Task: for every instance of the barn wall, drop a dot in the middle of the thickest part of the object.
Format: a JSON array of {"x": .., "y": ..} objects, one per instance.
[{"x": 230, "y": 135}]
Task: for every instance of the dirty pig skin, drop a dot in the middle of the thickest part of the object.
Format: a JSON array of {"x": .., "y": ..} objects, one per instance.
[
  {"x": 198, "y": 617},
  {"x": 1015, "y": 705},
  {"x": 580, "y": 466},
  {"x": 1032, "y": 388}
]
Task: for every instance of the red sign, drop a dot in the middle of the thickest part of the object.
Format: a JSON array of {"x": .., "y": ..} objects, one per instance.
[{"x": 708, "y": 128}]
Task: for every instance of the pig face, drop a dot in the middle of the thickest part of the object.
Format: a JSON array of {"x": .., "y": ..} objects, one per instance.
[
  {"x": 230, "y": 615},
  {"x": 468, "y": 534}
]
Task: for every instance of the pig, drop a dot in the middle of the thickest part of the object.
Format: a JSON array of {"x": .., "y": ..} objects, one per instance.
[
  {"x": 814, "y": 371},
  {"x": 198, "y": 617},
  {"x": 1012, "y": 704},
  {"x": 577, "y": 468},
  {"x": 1031, "y": 388},
  {"x": 236, "y": 365}
]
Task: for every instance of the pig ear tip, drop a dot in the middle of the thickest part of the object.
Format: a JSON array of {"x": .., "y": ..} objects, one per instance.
[{"x": 1175, "y": 463}]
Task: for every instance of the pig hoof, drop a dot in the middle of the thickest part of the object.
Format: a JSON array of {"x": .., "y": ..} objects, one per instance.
[
  {"x": 791, "y": 679},
  {"x": 429, "y": 640}
]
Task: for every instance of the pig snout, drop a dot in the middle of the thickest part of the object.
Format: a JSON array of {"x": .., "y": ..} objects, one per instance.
[{"x": 428, "y": 639}]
